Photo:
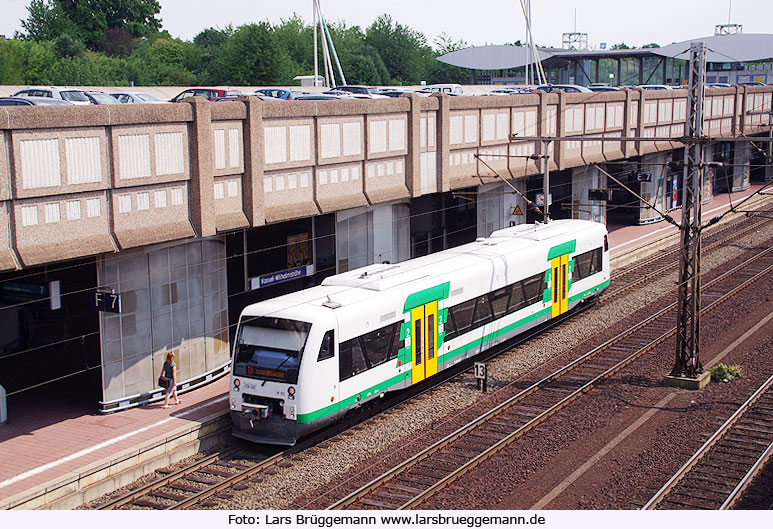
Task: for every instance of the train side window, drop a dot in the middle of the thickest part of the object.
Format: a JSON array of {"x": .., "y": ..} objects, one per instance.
[
  {"x": 377, "y": 345},
  {"x": 345, "y": 360},
  {"x": 532, "y": 288},
  {"x": 351, "y": 360},
  {"x": 500, "y": 300},
  {"x": 462, "y": 316},
  {"x": 483, "y": 313},
  {"x": 606, "y": 244},
  {"x": 327, "y": 347},
  {"x": 517, "y": 299}
]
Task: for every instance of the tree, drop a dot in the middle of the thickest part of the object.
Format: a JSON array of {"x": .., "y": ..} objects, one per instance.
[
  {"x": 252, "y": 56},
  {"x": 621, "y": 46},
  {"x": 88, "y": 20},
  {"x": 66, "y": 46},
  {"x": 403, "y": 50},
  {"x": 117, "y": 41},
  {"x": 651, "y": 45},
  {"x": 47, "y": 21}
]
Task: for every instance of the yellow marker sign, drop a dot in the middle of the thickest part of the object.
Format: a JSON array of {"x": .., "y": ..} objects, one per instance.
[{"x": 517, "y": 211}]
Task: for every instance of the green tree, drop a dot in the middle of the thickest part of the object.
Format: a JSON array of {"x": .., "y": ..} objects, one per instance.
[
  {"x": 621, "y": 46},
  {"x": 440, "y": 72},
  {"x": 252, "y": 56},
  {"x": 88, "y": 20},
  {"x": 651, "y": 45},
  {"x": 47, "y": 21},
  {"x": 66, "y": 46},
  {"x": 403, "y": 50}
]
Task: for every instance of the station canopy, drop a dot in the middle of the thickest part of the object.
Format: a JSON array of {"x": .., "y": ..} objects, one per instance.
[{"x": 738, "y": 47}]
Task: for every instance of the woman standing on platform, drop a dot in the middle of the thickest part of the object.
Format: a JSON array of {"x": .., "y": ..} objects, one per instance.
[{"x": 170, "y": 372}]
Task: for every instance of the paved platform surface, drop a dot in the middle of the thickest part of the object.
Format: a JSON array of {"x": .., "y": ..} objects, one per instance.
[{"x": 50, "y": 439}]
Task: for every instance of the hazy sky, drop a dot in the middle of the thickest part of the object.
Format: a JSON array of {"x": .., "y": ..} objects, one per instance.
[{"x": 477, "y": 22}]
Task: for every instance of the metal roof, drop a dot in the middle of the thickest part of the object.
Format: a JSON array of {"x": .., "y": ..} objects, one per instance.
[
  {"x": 491, "y": 57},
  {"x": 738, "y": 47}
]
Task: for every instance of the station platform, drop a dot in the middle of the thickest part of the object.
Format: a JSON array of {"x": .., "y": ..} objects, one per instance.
[{"x": 58, "y": 454}]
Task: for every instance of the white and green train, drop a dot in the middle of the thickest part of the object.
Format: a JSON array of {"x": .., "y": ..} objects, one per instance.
[{"x": 304, "y": 359}]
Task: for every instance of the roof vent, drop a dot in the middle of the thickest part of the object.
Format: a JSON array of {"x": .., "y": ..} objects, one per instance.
[{"x": 331, "y": 304}]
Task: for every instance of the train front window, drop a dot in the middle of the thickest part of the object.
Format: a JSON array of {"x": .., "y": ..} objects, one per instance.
[{"x": 270, "y": 348}]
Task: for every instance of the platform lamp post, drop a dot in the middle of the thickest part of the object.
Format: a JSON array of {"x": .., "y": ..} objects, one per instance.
[{"x": 688, "y": 371}]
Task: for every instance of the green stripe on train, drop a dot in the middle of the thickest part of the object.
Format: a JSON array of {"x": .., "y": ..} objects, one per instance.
[
  {"x": 417, "y": 299},
  {"x": 383, "y": 386}
]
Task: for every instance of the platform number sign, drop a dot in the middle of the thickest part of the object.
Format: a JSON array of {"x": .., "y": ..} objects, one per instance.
[
  {"x": 481, "y": 375},
  {"x": 107, "y": 301}
]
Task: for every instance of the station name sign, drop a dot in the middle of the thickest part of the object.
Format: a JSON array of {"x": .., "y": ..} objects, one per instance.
[{"x": 280, "y": 277}]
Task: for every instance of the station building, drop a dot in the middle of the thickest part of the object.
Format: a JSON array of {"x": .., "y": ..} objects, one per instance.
[
  {"x": 129, "y": 232},
  {"x": 732, "y": 58}
]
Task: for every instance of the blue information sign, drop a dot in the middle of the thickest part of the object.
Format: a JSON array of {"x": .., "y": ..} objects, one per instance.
[{"x": 280, "y": 277}]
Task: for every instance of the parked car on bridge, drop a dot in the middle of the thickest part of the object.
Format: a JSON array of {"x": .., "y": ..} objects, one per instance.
[
  {"x": 29, "y": 101},
  {"x": 101, "y": 98},
  {"x": 73, "y": 95},
  {"x": 570, "y": 88},
  {"x": 207, "y": 93},
  {"x": 655, "y": 87},
  {"x": 136, "y": 97},
  {"x": 603, "y": 88},
  {"x": 282, "y": 93},
  {"x": 449, "y": 88},
  {"x": 361, "y": 91},
  {"x": 235, "y": 98}
]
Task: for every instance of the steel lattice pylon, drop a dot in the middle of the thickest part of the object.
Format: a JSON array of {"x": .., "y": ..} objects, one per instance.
[{"x": 689, "y": 290}]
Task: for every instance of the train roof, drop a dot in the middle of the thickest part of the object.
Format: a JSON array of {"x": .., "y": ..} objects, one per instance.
[{"x": 359, "y": 285}]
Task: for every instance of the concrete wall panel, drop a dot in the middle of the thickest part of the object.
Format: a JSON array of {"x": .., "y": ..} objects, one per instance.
[
  {"x": 61, "y": 227},
  {"x": 289, "y": 194},
  {"x": 151, "y": 214},
  {"x": 229, "y": 205},
  {"x": 385, "y": 180},
  {"x": 144, "y": 155}
]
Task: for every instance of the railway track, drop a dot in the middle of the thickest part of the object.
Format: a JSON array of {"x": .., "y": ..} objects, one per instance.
[
  {"x": 645, "y": 270},
  {"x": 718, "y": 473},
  {"x": 213, "y": 475},
  {"x": 192, "y": 484},
  {"x": 420, "y": 477}
]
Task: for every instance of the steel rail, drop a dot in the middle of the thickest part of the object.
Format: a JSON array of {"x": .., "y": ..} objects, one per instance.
[
  {"x": 747, "y": 479},
  {"x": 704, "y": 449},
  {"x": 161, "y": 482},
  {"x": 424, "y": 454},
  {"x": 723, "y": 238},
  {"x": 562, "y": 403}
]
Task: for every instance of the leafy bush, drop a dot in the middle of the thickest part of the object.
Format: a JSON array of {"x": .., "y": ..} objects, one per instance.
[{"x": 725, "y": 373}]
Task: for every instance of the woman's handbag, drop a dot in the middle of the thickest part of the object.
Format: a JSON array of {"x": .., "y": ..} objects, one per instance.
[{"x": 163, "y": 381}]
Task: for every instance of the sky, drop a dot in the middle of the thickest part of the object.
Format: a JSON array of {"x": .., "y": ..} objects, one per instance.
[{"x": 477, "y": 22}]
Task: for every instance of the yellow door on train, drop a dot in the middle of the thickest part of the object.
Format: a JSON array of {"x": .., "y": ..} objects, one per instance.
[
  {"x": 417, "y": 344},
  {"x": 424, "y": 341},
  {"x": 560, "y": 290}
]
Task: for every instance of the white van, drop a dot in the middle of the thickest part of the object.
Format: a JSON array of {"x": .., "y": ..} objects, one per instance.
[{"x": 455, "y": 89}]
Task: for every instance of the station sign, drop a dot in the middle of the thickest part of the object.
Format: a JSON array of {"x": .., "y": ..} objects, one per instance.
[
  {"x": 106, "y": 301},
  {"x": 280, "y": 277}
]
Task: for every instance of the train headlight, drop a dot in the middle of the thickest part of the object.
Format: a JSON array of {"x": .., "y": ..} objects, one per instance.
[
  {"x": 237, "y": 383},
  {"x": 291, "y": 392}
]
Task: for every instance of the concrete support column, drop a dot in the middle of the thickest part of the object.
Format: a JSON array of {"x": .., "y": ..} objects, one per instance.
[
  {"x": 3, "y": 406},
  {"x": 741, "y": 167},
  {"x": 560, "y": 146},
  {"x": 584, "y": 179},
  {"x": 254, "y": 156},
  {"x": 443, "y": 129},
  {"x": 653, "y": 191},
  {"x": 413, "y": 158},
  {"x": 202, "y": 183}
]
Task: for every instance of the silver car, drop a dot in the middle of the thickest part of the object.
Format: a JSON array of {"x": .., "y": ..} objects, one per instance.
[
  {"x": 136, "y": 97},
  {"x": 73, "y": 95}
]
